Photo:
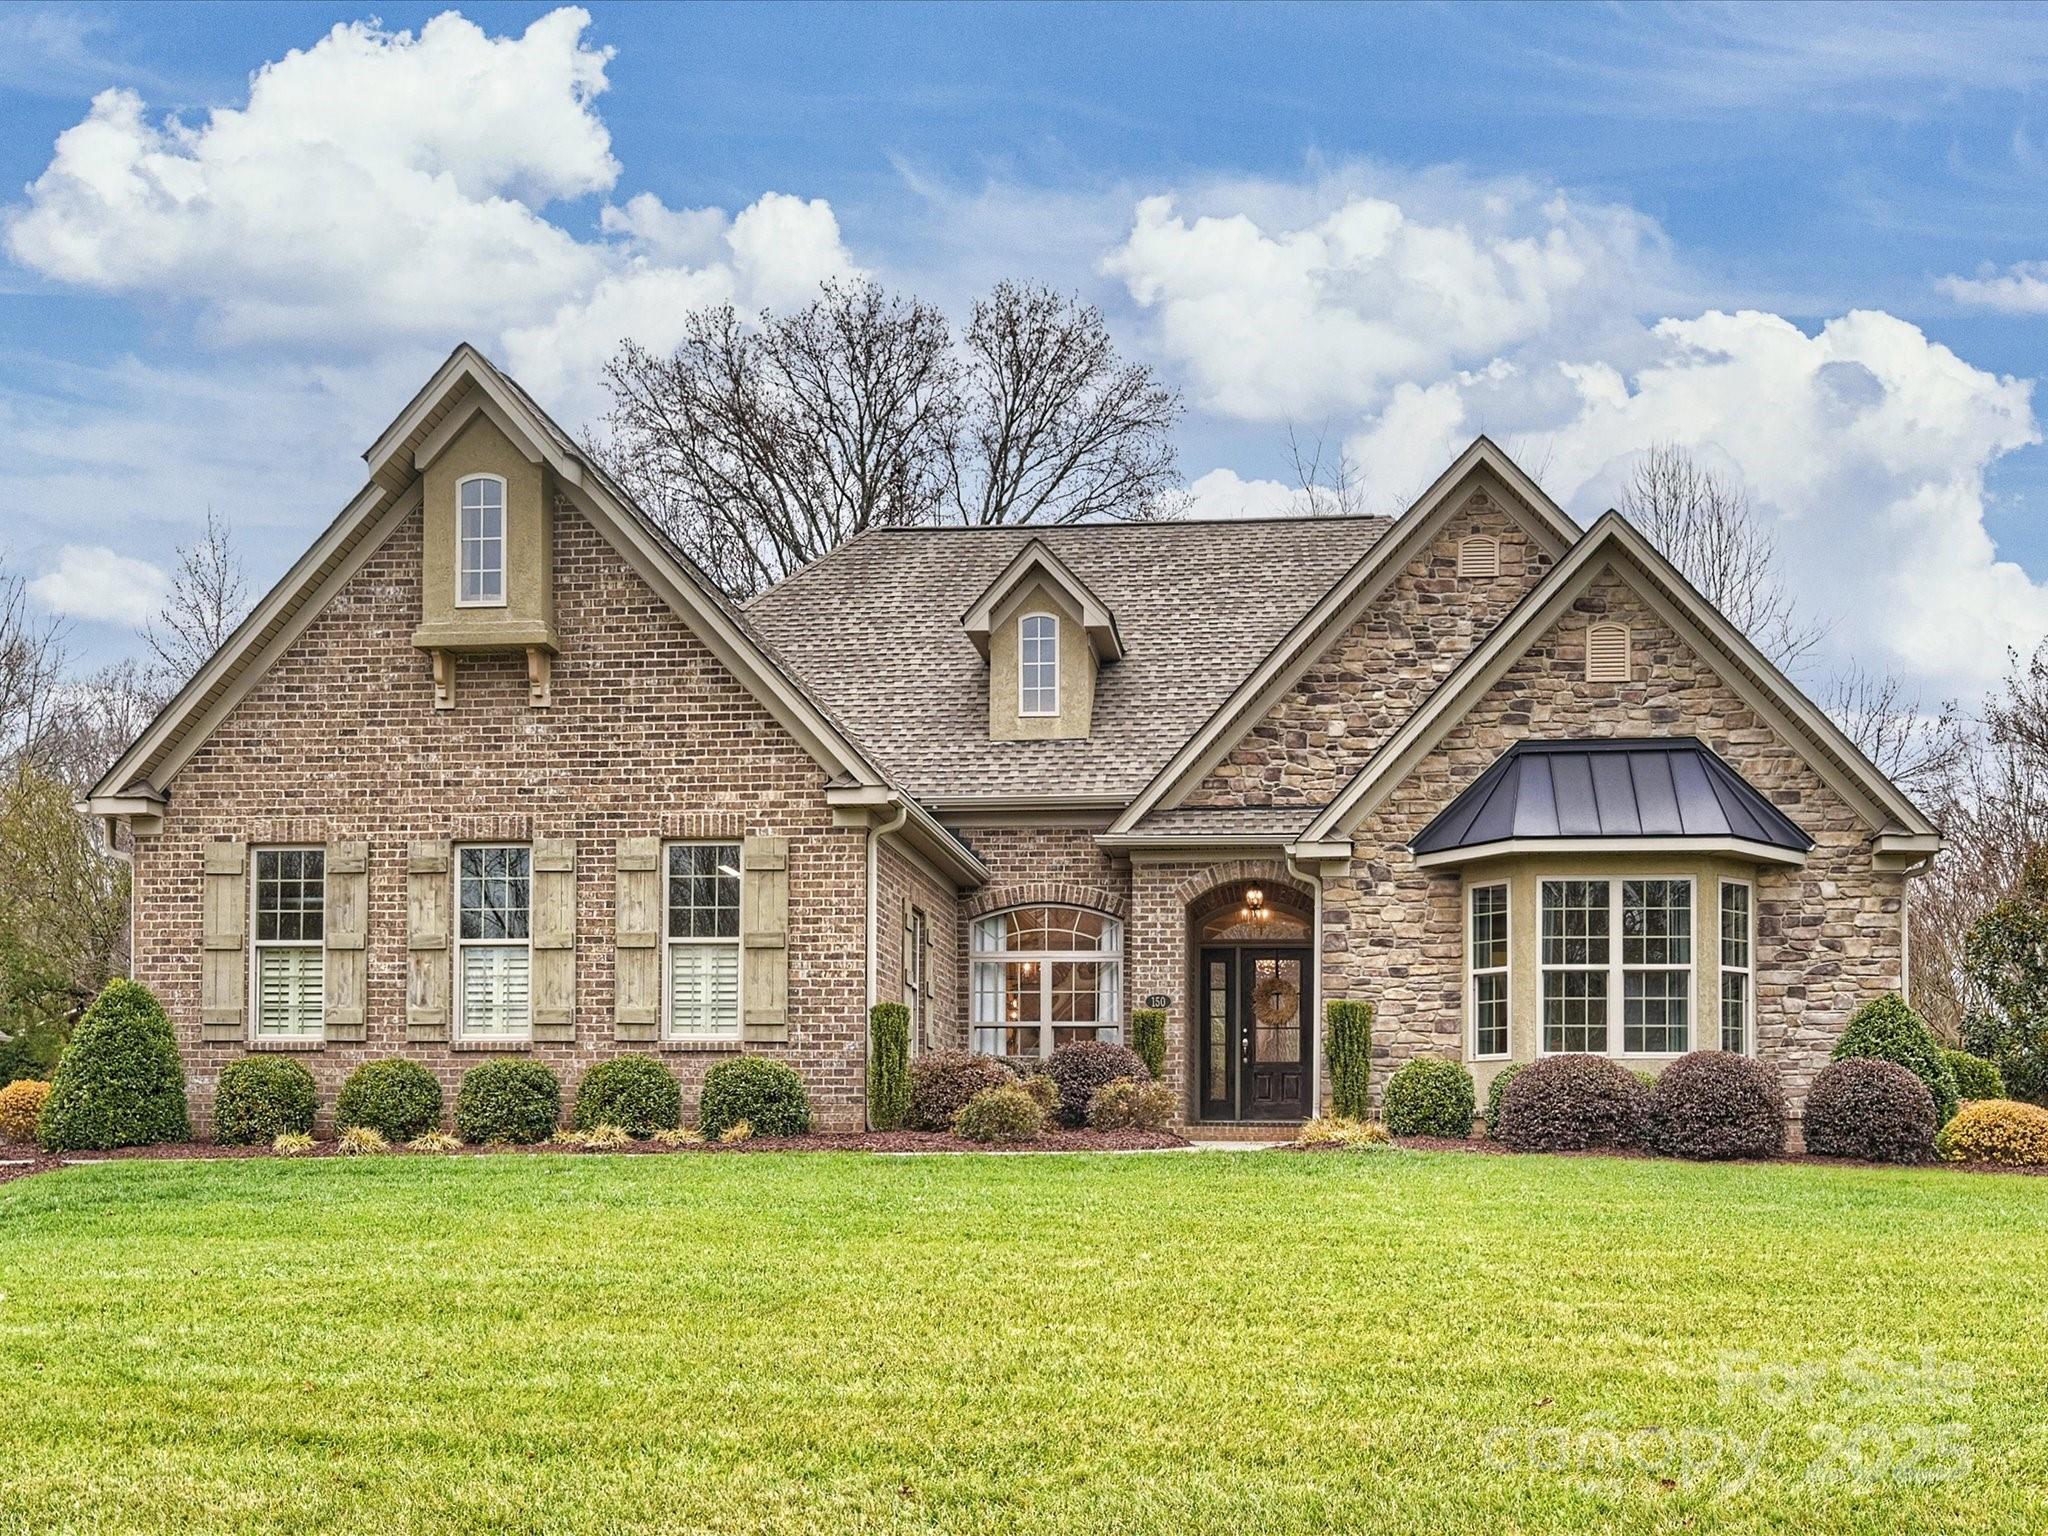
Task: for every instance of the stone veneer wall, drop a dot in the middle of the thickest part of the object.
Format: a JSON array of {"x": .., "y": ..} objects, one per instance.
[
  {"x": 1371, "y": 678},
  {"x": 648, "y": 734},
  {"x": 1828, "y": 934}
]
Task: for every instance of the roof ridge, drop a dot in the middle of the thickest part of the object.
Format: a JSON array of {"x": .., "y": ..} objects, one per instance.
[{"x": 1130, "y": 524}]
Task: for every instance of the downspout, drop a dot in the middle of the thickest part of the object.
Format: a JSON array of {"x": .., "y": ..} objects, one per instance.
[
  {"x": 111, "y": 832},
  {"x": 876, "y": 832},
  {"x": 1315, "y": 1031}
]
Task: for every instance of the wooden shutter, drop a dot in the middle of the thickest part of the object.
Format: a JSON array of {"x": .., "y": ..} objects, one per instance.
[
  {"x": 764, "y": 937},
  {"x": 223, "y": 964},
  {"x": 554, "y": 939},
  {"x": 427, "y": 924},
  {"x": 347, "y": 926},
  {"x": 636, "y": 940}
]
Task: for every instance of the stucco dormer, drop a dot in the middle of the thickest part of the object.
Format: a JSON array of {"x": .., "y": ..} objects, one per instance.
[{"x": 1045, "y": 635}]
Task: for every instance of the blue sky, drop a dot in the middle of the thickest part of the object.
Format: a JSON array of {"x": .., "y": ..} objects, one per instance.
[{"x": 1809, "y": 243}]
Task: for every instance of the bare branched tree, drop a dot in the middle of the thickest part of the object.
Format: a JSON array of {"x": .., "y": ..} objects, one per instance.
[
  {"x": 760, "y": 447},
  {"x": 33, "y": 663},
  {"x": 1327, "y": 480},
  {"x": 1915, "y": 749},
  {"x": 209, "y": 596},
  {"x": 1705, "y": 525}
]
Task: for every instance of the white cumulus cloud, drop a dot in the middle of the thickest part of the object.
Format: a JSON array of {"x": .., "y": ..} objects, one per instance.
[
  {"x": 2021, "y": 289},
  {"x": 92, "y": 582}
]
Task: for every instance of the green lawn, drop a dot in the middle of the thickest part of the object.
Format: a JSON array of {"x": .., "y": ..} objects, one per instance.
[{"x": 1245, "y": 1342}]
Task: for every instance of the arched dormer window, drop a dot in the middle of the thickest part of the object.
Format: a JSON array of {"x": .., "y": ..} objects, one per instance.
[
  {"x": 480, "y": 542},
  {"x": 1038, "y": 664}
]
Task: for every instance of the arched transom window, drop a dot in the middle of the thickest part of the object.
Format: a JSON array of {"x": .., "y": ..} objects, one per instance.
[{"x": 1045, "y": 977}]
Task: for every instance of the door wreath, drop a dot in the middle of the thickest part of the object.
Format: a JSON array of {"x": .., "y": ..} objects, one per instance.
[{"x": 1276, "y": 1000}]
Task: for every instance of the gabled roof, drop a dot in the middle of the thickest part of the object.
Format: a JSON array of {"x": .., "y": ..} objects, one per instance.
[
  {"x": 468, "y": 382},
  {"x": 875, "y": 629},
  {"x": 1614, "y": 542},
  {"x": 1542, "y": 795},
  {"x": 1338, "y": 606},
  {"x": 1034, "y": 559}
]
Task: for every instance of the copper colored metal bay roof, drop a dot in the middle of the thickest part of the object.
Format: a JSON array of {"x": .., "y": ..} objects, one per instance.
[{"x": 874, "y": 631}]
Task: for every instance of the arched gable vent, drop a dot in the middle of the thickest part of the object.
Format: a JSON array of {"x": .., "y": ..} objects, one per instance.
[
  {"x": 1479, "y": 556},
  {"x": 1607, "y": 658}
]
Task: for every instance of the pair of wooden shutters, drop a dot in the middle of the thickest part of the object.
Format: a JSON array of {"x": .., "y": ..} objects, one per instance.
[
  {"x": 430, "y": 939},
  {"x": 224, "y": 987},
  {"x": 764, "y": 939}
]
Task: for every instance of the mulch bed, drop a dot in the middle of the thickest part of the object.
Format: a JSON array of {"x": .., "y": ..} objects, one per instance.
[
  {"x": 862, "y": 1141},
  {"x": 1488, "y": 1145}
]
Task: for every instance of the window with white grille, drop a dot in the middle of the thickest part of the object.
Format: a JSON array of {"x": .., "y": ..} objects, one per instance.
[
  {"x": 1607, "y": 658},
  {"x": 494, "y": 1000},
  {"x": 702, "y": 925},
  {"x": 290, "y": 952},
  {"x": 480, "y": 542},
  {"x": 1038, "y": 664},
  {"x": 1479, "y": 556}
]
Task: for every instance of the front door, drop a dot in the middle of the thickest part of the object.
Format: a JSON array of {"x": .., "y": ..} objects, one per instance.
[{"x": 1254, "y": 1046}]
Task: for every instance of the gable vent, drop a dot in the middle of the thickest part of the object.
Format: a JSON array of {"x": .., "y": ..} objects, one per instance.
[
  {"x": 1607, "y": 653},
  {"x": 1479, "y": 556}
]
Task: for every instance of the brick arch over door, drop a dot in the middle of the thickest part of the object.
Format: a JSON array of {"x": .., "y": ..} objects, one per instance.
[
  {"x": 1039, "y": 893},
  {"x": 1216, "y": 877}
]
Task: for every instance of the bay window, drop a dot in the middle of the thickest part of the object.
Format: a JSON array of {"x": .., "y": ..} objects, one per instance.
[
  {"x": 290, "y": 954},
  {"x": 702, "y": 938},
  {"x": 1736, "y": 966},
  {"x": 1488, "y": 949},
  {"x": 1650, "y": 970},
  {"x": 1044, "y": 977},
  {"x": 494, "y": 948}
]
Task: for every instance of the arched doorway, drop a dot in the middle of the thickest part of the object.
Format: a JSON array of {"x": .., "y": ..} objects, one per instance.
[{"x": 1254, "y": 1003}]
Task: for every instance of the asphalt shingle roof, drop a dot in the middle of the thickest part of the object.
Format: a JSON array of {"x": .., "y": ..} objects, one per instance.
[{"x": 874, "y": 630}]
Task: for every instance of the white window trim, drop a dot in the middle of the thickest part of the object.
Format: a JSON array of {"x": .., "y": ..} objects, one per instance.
[
  {"x": 1473, "y": 972},
  {"x": 1617, "y": 988},
  {"x": 1747, "y": 972},
  {"x": 670, "y": 944},
  {"x": 504, "y": 545},
  {"x": 463, "y": 945},
  {"x": 257, "y": 946},
  {"x": 1111, "y": 955},
  {"x": 1023, "y": 690}
]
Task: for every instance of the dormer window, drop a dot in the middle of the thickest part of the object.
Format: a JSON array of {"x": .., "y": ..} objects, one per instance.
[
  {"x": 480, "y": 537},
  {"x": 1038, "y": 664}
]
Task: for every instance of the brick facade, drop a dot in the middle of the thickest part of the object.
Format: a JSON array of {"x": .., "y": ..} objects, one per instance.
[{"x": 648, "y": 734}]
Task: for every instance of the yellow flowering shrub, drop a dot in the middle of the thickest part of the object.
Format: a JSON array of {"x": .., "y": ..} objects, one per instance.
[{"x": 1996, "y": 1131}]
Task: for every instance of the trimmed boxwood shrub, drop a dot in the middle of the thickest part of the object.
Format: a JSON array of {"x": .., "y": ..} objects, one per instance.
[
  {"x": 1996, "y": 1131},
  {"x": 1148, "y": 1039},
  {"x": 1569, "y": 1103},
  {"x": 888, "y": 1066},
  {"x": 1886, "y": 1029},
  {"x": 1129, "y": 1105},
  {"x": 1347, "y": 1045},
  {"x": 1430, "y": 1096},
  {"x": 397, "y": 1098},
  {"x": 1086, "y": 1065},
  {"x": 506, "y": 1100},
  {"x": 767, "y": 1094},
  {"x": 1716, "y": 1104},
  {"x": 941, "y": 1083},
  {"x": 21, "y": 1106},
  {"x": 1870, "y": 1108},
  {"x": 120, "y": 1082},
  {"x": 1002, "y": 1113},
  {"x": 261, "y": 1098},
  {"x": 1494, "y": 1090},
  {"x": 1976, "y": 1077},
  {"x": 635, "y": 1093}
]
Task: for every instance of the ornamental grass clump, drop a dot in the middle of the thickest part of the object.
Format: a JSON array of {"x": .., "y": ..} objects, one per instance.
[
  {"x": 120, "y": 1083},
  {"x": 1343, "y": 1134},
  {"x": 1711, "y": 1105},
  {"x": 1572, "y": 1103},
  {"x": 292, "y": 1144},
  {"x": 1002, "y": 1114},
  {"x": 941, "y": 1083},
  {"x": 1871, "y": 1109},
  {"x": 1430, "y": 1096},
  {"x": 362, "y": 1141}
]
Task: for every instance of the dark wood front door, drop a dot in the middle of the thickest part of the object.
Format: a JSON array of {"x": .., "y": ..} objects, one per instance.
[{"x": 1255, "y": 1010}]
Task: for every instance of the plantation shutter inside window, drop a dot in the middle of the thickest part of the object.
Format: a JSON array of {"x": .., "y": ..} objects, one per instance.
[
  {"x": 496, "y": 990},
  {"x": 290, "y": 983},
  {"x": 704, "y": 990}
]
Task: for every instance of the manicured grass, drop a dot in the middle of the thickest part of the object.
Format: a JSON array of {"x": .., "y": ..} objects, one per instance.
[{"x": 1211, "y": 1343}]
